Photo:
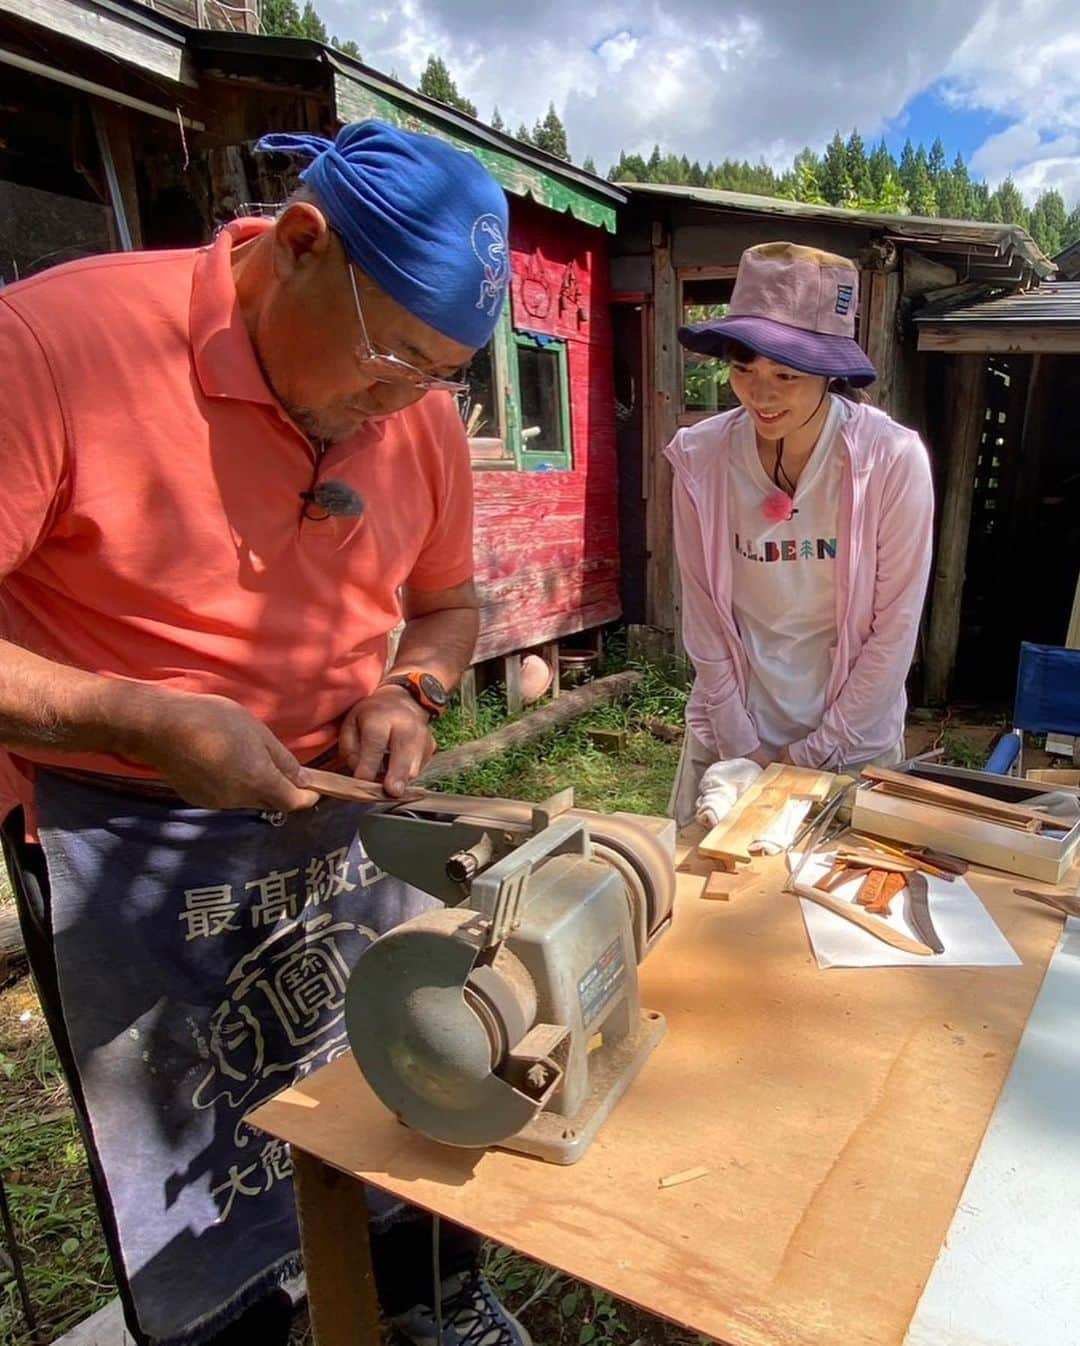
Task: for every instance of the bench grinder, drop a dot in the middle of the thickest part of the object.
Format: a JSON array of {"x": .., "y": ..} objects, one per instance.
[{"x": 511, "y": 1015}]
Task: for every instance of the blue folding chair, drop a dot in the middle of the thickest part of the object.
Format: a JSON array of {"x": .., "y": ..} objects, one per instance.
[{"x": 1047, "y": 702}]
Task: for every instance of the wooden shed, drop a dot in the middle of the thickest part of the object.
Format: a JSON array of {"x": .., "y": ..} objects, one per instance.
[
  {"x": 675, "y": 260},
  {"x": 155, "y": 149},
  {"x": 1008, "y": 565}
]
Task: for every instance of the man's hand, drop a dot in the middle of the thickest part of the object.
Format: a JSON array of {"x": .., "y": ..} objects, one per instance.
[
  {"x": 761, "y": 757},
  {"x": 216, "y": 755},
  {"x": 386, "y": 737}
]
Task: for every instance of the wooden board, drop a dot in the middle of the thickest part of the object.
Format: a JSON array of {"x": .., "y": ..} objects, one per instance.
[
  {"x": 729, "y": 840},
  {"x": 838, "y": 1114}
]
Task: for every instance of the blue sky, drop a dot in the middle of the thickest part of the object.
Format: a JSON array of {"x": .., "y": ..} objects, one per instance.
[
  {"x": 927, "y": 115},
  {"x": 999, "y": 80}
]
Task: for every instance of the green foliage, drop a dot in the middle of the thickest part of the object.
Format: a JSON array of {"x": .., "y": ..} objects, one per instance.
[
  {"x": 437, "y": 82},
  {"x": 522, "y": 134},
  {"x": 959, "y": 750},
  {"x": 348, "y": 46},
  {"x": 497, "y": 123},
  {"x": 311, "y": 26},
  {"x": 589, "y": 164},
  {"x": 550, "y": 135},
  {"x": 921, "y": 183},
  {"x": 281, "y": 18}
]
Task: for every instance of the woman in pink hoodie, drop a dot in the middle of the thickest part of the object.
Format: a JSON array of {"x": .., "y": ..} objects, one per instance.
[{"x": 803, "y": 527}]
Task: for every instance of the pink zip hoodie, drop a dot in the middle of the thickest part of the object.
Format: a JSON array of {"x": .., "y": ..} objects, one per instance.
[{"x": 885, "y": 543}]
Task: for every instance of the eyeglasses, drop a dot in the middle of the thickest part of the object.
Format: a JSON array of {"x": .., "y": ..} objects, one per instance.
[{"x": 386, "y": 367}]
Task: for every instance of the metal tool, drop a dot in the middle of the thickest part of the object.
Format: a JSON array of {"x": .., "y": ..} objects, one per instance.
[
  {"x": 814, "y": 833},
  {"x": 511, "y": 1015}
]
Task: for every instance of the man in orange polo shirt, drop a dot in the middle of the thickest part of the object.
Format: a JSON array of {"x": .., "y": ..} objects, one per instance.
[{"x": 229, "y": 473}]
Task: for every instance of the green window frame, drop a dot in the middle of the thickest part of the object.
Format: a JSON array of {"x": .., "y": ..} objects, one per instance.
[{"x": 509, "y": 449}]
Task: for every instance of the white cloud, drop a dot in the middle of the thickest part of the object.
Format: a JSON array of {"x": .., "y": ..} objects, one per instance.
[
  {"x": 756, "y": 79},
  {"x": 1021, "y": 61}
]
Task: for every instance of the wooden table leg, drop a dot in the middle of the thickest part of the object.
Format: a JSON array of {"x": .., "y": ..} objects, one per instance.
[{"x": 342, "y": 1300}]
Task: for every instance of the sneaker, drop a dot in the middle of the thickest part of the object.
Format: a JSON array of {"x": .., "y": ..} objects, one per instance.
[{"x": 471, "y": 1316}]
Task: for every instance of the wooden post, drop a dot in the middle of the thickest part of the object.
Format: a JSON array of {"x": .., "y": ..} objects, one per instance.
[
  {"x": 515, "y": 702},
  {"x": 661, "y": 573},
  {"x": 551, "y": 654},
  {"x": 342, "y": 1300},
  {"x": 882, "y": 344},
  {"x": 467, "y": 691},
  {"x": 967, "y": 385}
]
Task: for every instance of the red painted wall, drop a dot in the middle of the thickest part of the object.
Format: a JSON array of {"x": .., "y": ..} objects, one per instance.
[{"x": 547, "y": 544}]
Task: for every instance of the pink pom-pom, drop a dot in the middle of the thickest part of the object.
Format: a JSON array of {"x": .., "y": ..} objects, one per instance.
[{"x": 778, "y": 507}]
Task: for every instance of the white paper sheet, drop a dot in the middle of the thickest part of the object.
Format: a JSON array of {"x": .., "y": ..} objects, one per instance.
[{"x": 967, "y": 930}]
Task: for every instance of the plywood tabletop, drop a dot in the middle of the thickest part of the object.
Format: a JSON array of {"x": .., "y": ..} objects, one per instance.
[{"x": 837, "y": 1114}]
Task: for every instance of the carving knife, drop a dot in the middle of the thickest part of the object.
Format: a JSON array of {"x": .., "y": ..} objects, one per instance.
[{"x": 919, "y": 911}]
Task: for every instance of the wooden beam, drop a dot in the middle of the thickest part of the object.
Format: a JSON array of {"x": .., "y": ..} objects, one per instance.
[
  {"x": 602, "y": 692},
  {"x": 515, "y": 702},
  {"x": 1000, "y": 339},
  {"x": 967, "y": 395},
  {"x": 882, "y": 337},
  {"x": 661, "y": 602}
]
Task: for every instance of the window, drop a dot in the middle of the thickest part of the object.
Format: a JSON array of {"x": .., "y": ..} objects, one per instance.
[
  {"x": 543, "y": 402},
  {"x": 517, "y": 410},
  {"x": 705, "y": 379}
]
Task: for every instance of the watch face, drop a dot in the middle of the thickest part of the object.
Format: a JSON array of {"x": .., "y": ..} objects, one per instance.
[{"x": 433, "y": 689}]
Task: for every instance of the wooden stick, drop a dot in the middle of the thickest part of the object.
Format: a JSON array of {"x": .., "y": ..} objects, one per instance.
[
  {"x": 1068, "y": 905},
  {"x": 871, "y": 860},
  {"x": 337, "y": 786},
  {"x": 911, "y": 857},
  {"x": 879, "y": 929},
  {"x": 935, "y": 793}
]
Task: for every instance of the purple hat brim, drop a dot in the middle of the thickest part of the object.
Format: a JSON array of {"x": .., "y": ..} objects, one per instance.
[{"x": 837, "y": 357}]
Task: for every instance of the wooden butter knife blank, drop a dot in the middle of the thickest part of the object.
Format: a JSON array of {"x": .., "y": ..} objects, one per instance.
[
  {"x": 878, "y": 928},
  {"x": 335, "y": 785}
]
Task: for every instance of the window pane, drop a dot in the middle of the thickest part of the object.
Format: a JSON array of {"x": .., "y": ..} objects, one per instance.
[
  {"x": 479, "y": 408},
  {"x": 541, "y": 408},
  {"x": 705, "y": 378}
]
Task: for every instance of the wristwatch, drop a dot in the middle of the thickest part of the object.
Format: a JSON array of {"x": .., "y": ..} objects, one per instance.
[{"x": 424, "y": 688}]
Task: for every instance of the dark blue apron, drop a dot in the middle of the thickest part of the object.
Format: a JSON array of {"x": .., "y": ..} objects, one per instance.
[{"x": 202, "y": 959}]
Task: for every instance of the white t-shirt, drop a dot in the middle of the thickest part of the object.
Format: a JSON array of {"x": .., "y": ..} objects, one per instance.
[{"x": 784, "y": 583}]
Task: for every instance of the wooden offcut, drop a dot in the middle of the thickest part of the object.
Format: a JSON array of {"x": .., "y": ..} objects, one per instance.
[
  {"x": 729, "y": 841},
  {"x": 966, "y": 801},
  {"x": 809, "y": 1094}
]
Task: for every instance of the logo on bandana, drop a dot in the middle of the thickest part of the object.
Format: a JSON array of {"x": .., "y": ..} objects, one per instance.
[
  {"x": 844, "y": 295},
  {"x": 489, "y": 245}
]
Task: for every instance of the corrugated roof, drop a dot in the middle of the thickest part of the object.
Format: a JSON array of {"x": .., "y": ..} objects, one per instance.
[
  {"x": 1006, "y": 248},
  {"x": 1053, "y": 303}
]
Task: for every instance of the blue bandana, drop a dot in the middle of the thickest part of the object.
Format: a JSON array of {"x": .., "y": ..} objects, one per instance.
[{"x": 424, "y": 220}]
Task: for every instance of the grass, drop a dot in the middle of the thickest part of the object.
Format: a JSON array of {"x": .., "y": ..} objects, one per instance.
[{"x": 48, "y": 1189}]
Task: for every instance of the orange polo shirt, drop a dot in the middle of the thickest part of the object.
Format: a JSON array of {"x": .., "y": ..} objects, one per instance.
[{"x": 151, "y": 521}]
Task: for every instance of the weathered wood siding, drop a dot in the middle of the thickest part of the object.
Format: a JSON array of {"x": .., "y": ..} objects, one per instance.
[{"x": 547, "y": 543}]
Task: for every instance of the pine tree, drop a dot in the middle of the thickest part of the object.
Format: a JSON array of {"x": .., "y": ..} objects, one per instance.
[
  {"x": 1011, "y": 204},
  {"x": 497, "y": 123},
  {"x": 348, "y": 46},
  {"x": 550, "y": 135},
  {"x": 858, "y": 167},
  {"x": 522, "y": 134},
  {"x": 906, "y": 171},
  {"x": 312, "y": 26},
  {"x": 589, "y": 165},
  {"x": 836, "y": 185},
  {"x": 436, "y": 82},
  {"x": 1048, "y": 222},
  {"x": 880, "y": 165},
  {"x": 936, "y": 162},
  {"x": 954, "y": 192},
  {"x": 921, "y": 194},
  {"x": 1071, "y": 233},
  {"x": 280, "y": 18},
  {"x": 653, "y": 166}
]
